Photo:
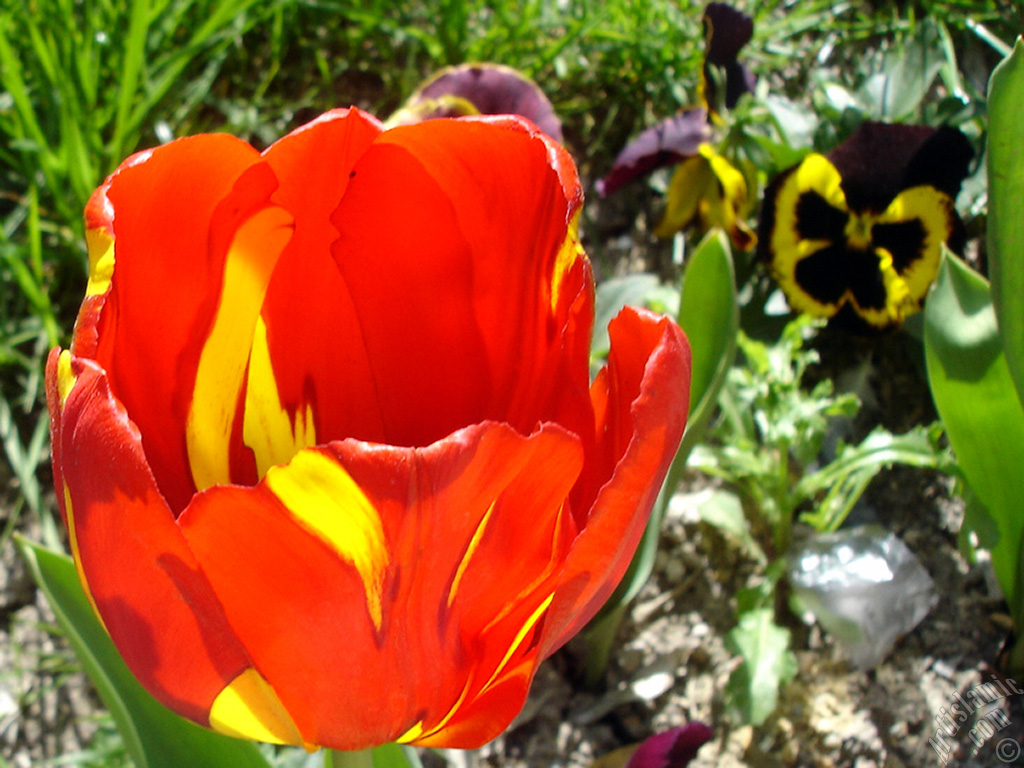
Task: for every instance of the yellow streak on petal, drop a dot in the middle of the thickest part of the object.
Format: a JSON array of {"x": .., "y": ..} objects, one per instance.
[
  {"x": 474, "y": 543},
  {"x": 65, "y": 377},
  {"x": 69, "y": 514},
  {"x": 412, "y": 734},
  {"x": 518, "y": 640},
  {"x": 325, "y": 500},
  {"x": 267, "y": 428},
  {"x": 101, "y": 261},
  {"x": 249, "y": 708},
  {"x": 570, "y": 252},
  {"x": 417, "y": 732},
  {"x": 250, "y": 262}
]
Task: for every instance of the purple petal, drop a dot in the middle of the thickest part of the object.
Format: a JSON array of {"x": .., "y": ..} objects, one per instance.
[
  {"x": 663, "y": 144},
  {"x": 494, "y": 90},
  {"x": 674, "y": 748},
  {"x": 726, "y": 31},
  {"x": 880, "y": 160}
]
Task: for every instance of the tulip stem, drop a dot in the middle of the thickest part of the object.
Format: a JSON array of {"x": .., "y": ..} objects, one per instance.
[{"x": 336, "y": 759}]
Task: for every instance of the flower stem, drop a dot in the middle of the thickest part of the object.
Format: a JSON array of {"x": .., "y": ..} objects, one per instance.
[{"x": 336, "y": 759}]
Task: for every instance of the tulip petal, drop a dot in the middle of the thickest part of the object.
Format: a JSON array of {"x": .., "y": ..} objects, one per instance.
[
  {"x": 641, "y": 400},
  {"x": 145, "y": 329},
  {"x": 405, "y": 575},
  {"x": 252, "y": 257},
  {"x": 471, "y": 249},
  {"x": 143, "y": 580},
  {"x": 307, "y": 362}
]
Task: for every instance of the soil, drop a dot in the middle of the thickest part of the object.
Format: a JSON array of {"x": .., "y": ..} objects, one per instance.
[{"x": 669, "y": 664}]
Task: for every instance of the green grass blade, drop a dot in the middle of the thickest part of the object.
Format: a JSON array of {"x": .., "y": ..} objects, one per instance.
[
  {"x": 154, "y": 736},
  {"x": 134, "y": 52}
]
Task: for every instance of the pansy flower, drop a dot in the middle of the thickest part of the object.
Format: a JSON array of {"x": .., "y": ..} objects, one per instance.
[
  {"x": 726, "y": 31},
  {"x": 857, "y": 236},
  {"x": 479, "y": 89},
  {"x": 706, "y": 190}
]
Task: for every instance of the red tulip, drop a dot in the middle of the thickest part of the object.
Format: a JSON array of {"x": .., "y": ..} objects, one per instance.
[{"x": 325, "y": 444}]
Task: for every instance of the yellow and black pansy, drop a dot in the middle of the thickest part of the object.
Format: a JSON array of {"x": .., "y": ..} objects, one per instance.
[{"x": 857, "y": 236}]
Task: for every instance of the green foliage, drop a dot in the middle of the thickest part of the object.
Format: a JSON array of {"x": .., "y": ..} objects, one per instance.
[
  {"x": 770, "y": 438},
  {"x": 88, "y": 76},
  {"x": 1006, "y": 195},
  {"x": 771, "y": 447},
  {"x": 767, "y": 664},
  {"x": 976, "y": 398},
  {"x": 973, "y": 332}
]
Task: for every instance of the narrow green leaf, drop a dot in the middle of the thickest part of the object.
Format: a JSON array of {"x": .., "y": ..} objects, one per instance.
[
  {"x": 154, "y": 736},
  {"x": 133, "y": 52},
  {"x": 1005, "y": 203},
  {"x": 917, "y": 447},
  {"x": 767, "y": 664},
  {"x": 975, "y": 396}
]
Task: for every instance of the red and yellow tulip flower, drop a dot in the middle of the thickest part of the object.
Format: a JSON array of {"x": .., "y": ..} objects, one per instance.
[{"x": 325, "y": 443}]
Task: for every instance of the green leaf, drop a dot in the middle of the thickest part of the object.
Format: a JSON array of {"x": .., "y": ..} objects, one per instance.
[
  {"x": 709, "y": 314},
  {"x": 848, "y": 474},
  {"x": 154, "y": 736},
  {"x": 724, "y": 511},
  {"x": 1006, "y": 201},
  {"x": 767, "y": 664},
  {"x": 907, "y": 74},
  {"x": 975, "y": 396}
]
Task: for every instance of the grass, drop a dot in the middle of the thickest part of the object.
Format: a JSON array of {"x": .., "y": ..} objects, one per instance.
[{"x": 84, "y": 83}]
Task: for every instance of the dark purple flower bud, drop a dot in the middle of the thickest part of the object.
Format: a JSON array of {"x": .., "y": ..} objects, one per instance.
[{"x": 674, "y": 748}]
